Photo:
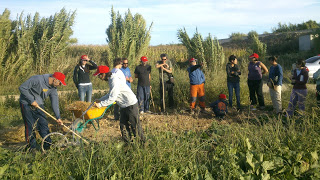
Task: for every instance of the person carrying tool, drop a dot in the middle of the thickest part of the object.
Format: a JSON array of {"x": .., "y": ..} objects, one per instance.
[
  {"x": 81, "y": 77},
  {"x": 166, "y": 80},
  {"x": 197, "y": 81},
  {"x": 33, "y": 93},
  {"x": 120, "y": 93},
  {"x": 126, "y": 71},
  {"x": 143, "y": 73}
]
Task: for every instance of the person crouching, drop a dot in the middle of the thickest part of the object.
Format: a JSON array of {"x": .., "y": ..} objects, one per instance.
[{"x": 219, "y": 107}]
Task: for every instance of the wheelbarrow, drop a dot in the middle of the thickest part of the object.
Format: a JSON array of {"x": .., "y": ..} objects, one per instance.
[
  {"x": 57, "y": 140},
  {"x": 90, "y": 115}
]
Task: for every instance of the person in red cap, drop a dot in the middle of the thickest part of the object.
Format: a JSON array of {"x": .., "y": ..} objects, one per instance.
[
  {"x": 143, "y": 73},
  {"x": 197, "y": 81},
  {"x": 122, "y": 94},
  {"x": 256, "y": 69},
  {"x": 81, "y": 77},
  {"x": 33, "y": 93},
  {"x": 220, "y": 106},
  {"x": 166, "y": 80}
]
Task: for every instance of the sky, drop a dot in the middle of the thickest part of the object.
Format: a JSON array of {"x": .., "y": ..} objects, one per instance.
[{"x": 220, "y": 18}]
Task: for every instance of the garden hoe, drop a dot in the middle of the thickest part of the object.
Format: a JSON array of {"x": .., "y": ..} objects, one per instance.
[{"x": 63, "y": 125}]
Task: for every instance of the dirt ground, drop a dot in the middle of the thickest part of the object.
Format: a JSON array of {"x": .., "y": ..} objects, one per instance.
[{"x": 13, "y": 138}]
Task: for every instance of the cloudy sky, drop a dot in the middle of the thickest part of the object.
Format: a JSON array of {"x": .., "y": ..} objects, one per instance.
[{"x": 218, "y": 17}]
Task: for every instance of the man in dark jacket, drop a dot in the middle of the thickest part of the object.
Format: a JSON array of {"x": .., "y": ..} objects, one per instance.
[{"x": 33, "y": 93}]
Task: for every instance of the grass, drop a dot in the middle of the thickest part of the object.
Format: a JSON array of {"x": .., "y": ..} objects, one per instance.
[{"x": 254, "y": 147}]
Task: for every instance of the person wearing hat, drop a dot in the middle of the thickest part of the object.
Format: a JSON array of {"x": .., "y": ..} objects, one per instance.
[
  {"x": 197, "y": 81},
  {"x": 33, "y": 93},
  {"x": 256, "y": 69},
  {"x": 220, "y": 106},
  {"x": 81, "y": 77},
  {"x": 233, "y": 80},
  {"x": 143, "y": 73},
  {"x": 122, "y": 94},
  {"x": 126, "y": 71},
  {"x": 165, "y": 71}
]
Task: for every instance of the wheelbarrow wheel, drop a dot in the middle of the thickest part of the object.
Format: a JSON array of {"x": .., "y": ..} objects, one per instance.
[{"x": 54, "y": 141}]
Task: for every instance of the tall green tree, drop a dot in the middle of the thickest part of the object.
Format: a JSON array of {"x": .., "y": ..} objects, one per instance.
[
  {"x": 127, "y": 37},
  {"x": 208, "y": 51},
  {"x": 34, "y": 45},
  {"x": 257, "y": 46}
]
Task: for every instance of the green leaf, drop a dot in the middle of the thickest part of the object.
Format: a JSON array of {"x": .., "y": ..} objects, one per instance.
[
  {"x": 267, "y": 165},
  {"x": 3, "y": 169},
  {"x": 314, "y": 156},
  {"x": 248, "y": 143}
]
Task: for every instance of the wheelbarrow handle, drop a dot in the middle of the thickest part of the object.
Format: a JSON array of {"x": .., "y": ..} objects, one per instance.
[
  {"x": 62, "y": 124},
  {"x": 87, "y": 109}
]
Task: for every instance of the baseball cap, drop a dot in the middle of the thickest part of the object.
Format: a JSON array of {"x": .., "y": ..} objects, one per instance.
[
  {"x": 101, "y": 69},
  {"x": 60, "y": 76},
  {"x": 254, "y": 55},
  {"x": 192, "y": 59},
  {"x": 84, "y": 57},
  {"x": 222, "y": 96},
  {"x": 144, "y": 59}
]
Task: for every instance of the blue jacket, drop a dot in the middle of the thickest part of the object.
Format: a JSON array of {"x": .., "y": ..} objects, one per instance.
[
  {"x": 127, "y": 73},
  {"x": 276, "y": 74},
  {"x": 196, "y": 76},
  {"x": 37, "y": 88}
]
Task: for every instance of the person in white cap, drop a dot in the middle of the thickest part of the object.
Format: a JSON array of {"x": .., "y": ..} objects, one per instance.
[{"x": 122, "y": 94}]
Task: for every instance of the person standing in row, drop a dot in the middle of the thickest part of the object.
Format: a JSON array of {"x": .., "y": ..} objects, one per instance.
[
  {"x": 166, "y": 80},
  {"x": 143, "y": 73},
  {"x": 197, "y": 81},
  {"x": 316, "y": 77},
  {"x": 81, "y": 77},
  {"x": 256, "y": 69},
  {"x": 33, "y": 93},
  {"x": 299, "y": 91},
  {"x": 120, "y": 93},
  {"x": 233, "y": 80},
  {"x": 275, "y": 83},
  {"x": 126, "y": 71}
]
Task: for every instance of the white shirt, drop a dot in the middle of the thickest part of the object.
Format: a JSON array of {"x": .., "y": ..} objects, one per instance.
[{"x": 119, "y": 91}]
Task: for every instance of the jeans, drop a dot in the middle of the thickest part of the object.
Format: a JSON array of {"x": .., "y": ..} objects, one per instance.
[
  {"x": 116, "y": 112},
  {"x": 168, "y": 86},
  {"x": 255, "y": 87},
  {"x": 297, "y": 96},
  {"x": 236, "y": 87},
  {"x": 85, "y": 91},
  {"x": 130, "y": 123},
  {"x": 34, "y": 120},
  {"x": 275, "y": 94},
  {"x": 143, "y": 95}
]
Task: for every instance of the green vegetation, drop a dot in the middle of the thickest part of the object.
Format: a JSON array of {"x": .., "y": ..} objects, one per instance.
[
  {"x": 208, "y": 51},
  {"x": 296, "y": 27},
  {"x": 33, "y": 45},
  {"x": 237, "y": 36},
  {"x": 249, "y": 146},
  {"x": 128, "y": 37}
]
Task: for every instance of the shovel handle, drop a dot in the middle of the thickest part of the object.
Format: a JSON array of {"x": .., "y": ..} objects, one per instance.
[{"x": 62, "y": 124}]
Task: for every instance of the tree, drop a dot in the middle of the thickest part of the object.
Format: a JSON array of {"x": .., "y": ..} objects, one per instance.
[
  {"x": 207, "y": 51},
  {"x": 128, "y": 36},
  {"x": 34, "y": 45},
  {"x": 257, "y": 46}
]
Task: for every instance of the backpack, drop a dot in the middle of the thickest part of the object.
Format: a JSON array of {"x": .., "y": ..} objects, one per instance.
[{"x": 222, "y": 107}]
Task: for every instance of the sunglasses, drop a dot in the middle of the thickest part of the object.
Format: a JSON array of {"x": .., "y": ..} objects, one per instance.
[
  {"x": 84, "y": 60},
  {"x": 164, "y": 59},
  {"x": 124, "y": 63}
]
